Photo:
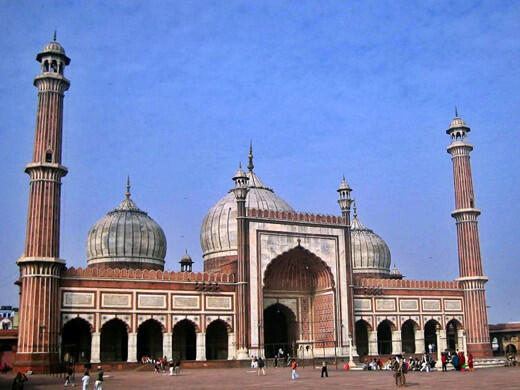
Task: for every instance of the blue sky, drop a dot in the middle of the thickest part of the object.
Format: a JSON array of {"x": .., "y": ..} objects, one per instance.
[{"x": 171, "y": 94}]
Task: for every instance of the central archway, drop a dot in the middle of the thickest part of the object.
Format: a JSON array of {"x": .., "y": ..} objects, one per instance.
[
  {"x": 114, "y": 341},
  {"x": 280, "y": 330},
  {"x": 216, "y": 341},
  {"x": 302, "y": 285}
]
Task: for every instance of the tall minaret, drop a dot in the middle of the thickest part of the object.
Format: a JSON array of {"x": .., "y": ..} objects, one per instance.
[
  {"x": 240, "y": 191},
  {"x": 40, "y": 264},
  {"x": 471, "y": 277}
]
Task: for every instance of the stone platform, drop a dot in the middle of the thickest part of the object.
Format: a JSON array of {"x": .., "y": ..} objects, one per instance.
[{"x": 240, "y": 378}]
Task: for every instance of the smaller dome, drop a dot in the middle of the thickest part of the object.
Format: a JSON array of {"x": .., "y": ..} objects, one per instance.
[
  {"x": 370, "y": 254},
  {"x": 395, "y": 273},
  {"x": 344, "y": 185},
  {"x": 457, "y": 122},
  {"x": 53, "y": 47},
  {"x": 186, "y": 258},
  {"x": 126, "y": 238}
]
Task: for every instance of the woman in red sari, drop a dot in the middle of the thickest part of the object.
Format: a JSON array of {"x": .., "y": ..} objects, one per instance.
[{"x": 470, "y": 362}]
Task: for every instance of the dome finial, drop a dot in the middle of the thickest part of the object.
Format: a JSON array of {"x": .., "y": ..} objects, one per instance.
[
  {"x": 355, "y": 209},
  {"x": 456, "y": 112},
  {"x": 54, "y": 36},
  {"x": 250, "y": 166},
  {"x": 128, "y": 187}
]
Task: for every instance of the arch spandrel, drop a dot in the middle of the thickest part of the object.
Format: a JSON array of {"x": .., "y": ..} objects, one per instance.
[
  {"x": 436, "y": 319},
  {"x": 366, "y": 322},
  {"x": 195, "y": 320},
  {"x": 224, "y": 319},
  {"x": 325, "y": 248},
  {"x": 161, "y": 320},
  {"x": 456, "y": 319},
  {"x": 88, "y": 318},
  {"x": 126, "y": 319}
]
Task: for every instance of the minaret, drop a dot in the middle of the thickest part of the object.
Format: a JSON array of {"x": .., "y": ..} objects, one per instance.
[
  {"x": 471, "y": 277},
  {"x": 345, "y": 201},
  {"x": 240, "y": 192},
  {"x": 40, "y": 264}
]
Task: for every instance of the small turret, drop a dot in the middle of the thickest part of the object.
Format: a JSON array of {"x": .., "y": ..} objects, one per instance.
[{"x": 186, "y": 262}]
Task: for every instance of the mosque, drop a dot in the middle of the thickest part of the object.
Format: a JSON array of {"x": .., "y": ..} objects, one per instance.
[{"x": 274, "y": 278}]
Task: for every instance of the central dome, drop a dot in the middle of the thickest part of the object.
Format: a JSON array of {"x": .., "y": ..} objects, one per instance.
[{"x": 218, "y": 234}]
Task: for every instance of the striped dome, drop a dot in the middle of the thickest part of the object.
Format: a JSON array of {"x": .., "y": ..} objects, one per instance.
[
  {"x": 126, "y": 238},
  {"x": 218, "y": 234},
  {"x": 370, "y": 254}
]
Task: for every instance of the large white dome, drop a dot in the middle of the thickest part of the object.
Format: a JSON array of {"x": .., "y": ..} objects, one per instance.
[
  {"x": 370, "y": 254},
  {"x": 218, "y": 234}
]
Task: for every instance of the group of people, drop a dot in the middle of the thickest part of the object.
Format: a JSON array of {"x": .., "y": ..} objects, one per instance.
[
  {"x": 160, "y": 365},
  {"x": 458, "y": 360},
  {"x": 85, "y": 379}
]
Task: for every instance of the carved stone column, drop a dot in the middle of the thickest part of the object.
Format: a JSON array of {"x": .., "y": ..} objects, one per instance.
[
  {"x": 201, "y": 346},
  {"x": 397, "y": 346},
  {"x": 231, "y": 346},
  {"x": 95, "y": 347},
  {"x": 372, "y": 343},
  {"x": 419, "y": 341},
  {"x": 132, "y": 347},
  {"x": 167, "y": 345}
]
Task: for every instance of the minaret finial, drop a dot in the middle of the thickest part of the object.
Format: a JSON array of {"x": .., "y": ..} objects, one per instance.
[
  {"x": 128, "y": 187},
  {"x": 355, "y": 209},
  {"x": 456, "y": 112},
  {"x": 250, "y": 166},
  {"x": 54, "y": 37}
]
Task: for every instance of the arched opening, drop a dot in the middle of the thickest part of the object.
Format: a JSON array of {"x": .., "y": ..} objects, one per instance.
[
  {"x": 184, "y": 341},
  {"x": 46, "y": 66},
  {"x": 150, "y": 340},
  {"x": 452, "y": 339},
  {"x": 114, "y": 341},
  {"x": 54, "y": 66},
  {"x": 303, "y": 275},
  {"x": 216, "y": 341},
  {"x": 430, "y": 336},
  {"x": 384, "y": 338},
  {"x": 362, "y": 338},
  {"x": 408, "y": 336},
  {"x": 280, "y": 330},
  {"x": 75, "y": 341},
  {"x": 510, "y": 349}
]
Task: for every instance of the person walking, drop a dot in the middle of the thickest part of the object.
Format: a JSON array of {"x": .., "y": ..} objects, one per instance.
[
  {"x": 85, "y": 380},
  {"x": 261, "y": 366},
  {"x": 275, "y": 363},
  {"x": 455, "y": 362},
  {"x": 19, "y": 381},
  {"x": 68, "y": 378},
  {"x": 294, "y": 374},
  {"x": 470, "y": 363},
  {"x": 444, "y": 361},
  {"x": 98, "y": 384},
  {"x": 324, "y": 369}
]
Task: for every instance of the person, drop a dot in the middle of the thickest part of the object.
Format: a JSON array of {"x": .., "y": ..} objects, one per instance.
[
  {"x": 261, "y": 365},
  {"x": 425, "y": 363},
  {"x": 275, "y": 363},
  {"x": 85, "y": 380},
  {"x": 294, "y": 374},
  {"x": 397, "y": 367},
  {"x": 98, "y": 384},
  {"x": 280, "y": 352},
  {"x": 178, "y": 367},
  {"x": 379, "y": 363},
  {"x": 68, "y": 378},
  {"x": 455, "y": 361},
  {"x": 19, "y": 381},
  {"x": 373, "y": 365},
  {"x": 171, "y": 368},
  {"x": 462, "y": 361},
  {"x": 324, "y": 369},
  {"x": 253, "y": 361},
  {"x": 470, "y": 363},
  {"x": 444, "y": 361}
]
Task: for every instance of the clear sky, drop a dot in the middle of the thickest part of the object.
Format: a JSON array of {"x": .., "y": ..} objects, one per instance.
[{"x": 171, "y": 93}]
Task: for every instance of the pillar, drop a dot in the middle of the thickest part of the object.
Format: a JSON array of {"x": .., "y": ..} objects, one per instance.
[
  {"x": 397, "y": 346},
  {"x": 231, "y": 345},
  {"x": 441, "y": 342},
  {"x": 461, "y": 341},
  {"x": 132, "y": 347},
  {"x": 95, "y": 347},
  {"x": 372, "y": 343},
  {"x": 201, "y": 346},
  {"x": 167, "y": 345},
  {"x": 419, "y": 341}
]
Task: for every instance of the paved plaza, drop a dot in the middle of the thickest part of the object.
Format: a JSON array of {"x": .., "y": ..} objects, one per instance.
[{"x": 237, "y": 378}]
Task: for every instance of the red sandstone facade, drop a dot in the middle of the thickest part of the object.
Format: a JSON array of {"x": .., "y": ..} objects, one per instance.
[{"x": 292, "y": 275}]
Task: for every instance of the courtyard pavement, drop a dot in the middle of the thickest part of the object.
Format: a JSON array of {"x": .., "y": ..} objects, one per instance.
[{"x": 280, "y": 378}]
